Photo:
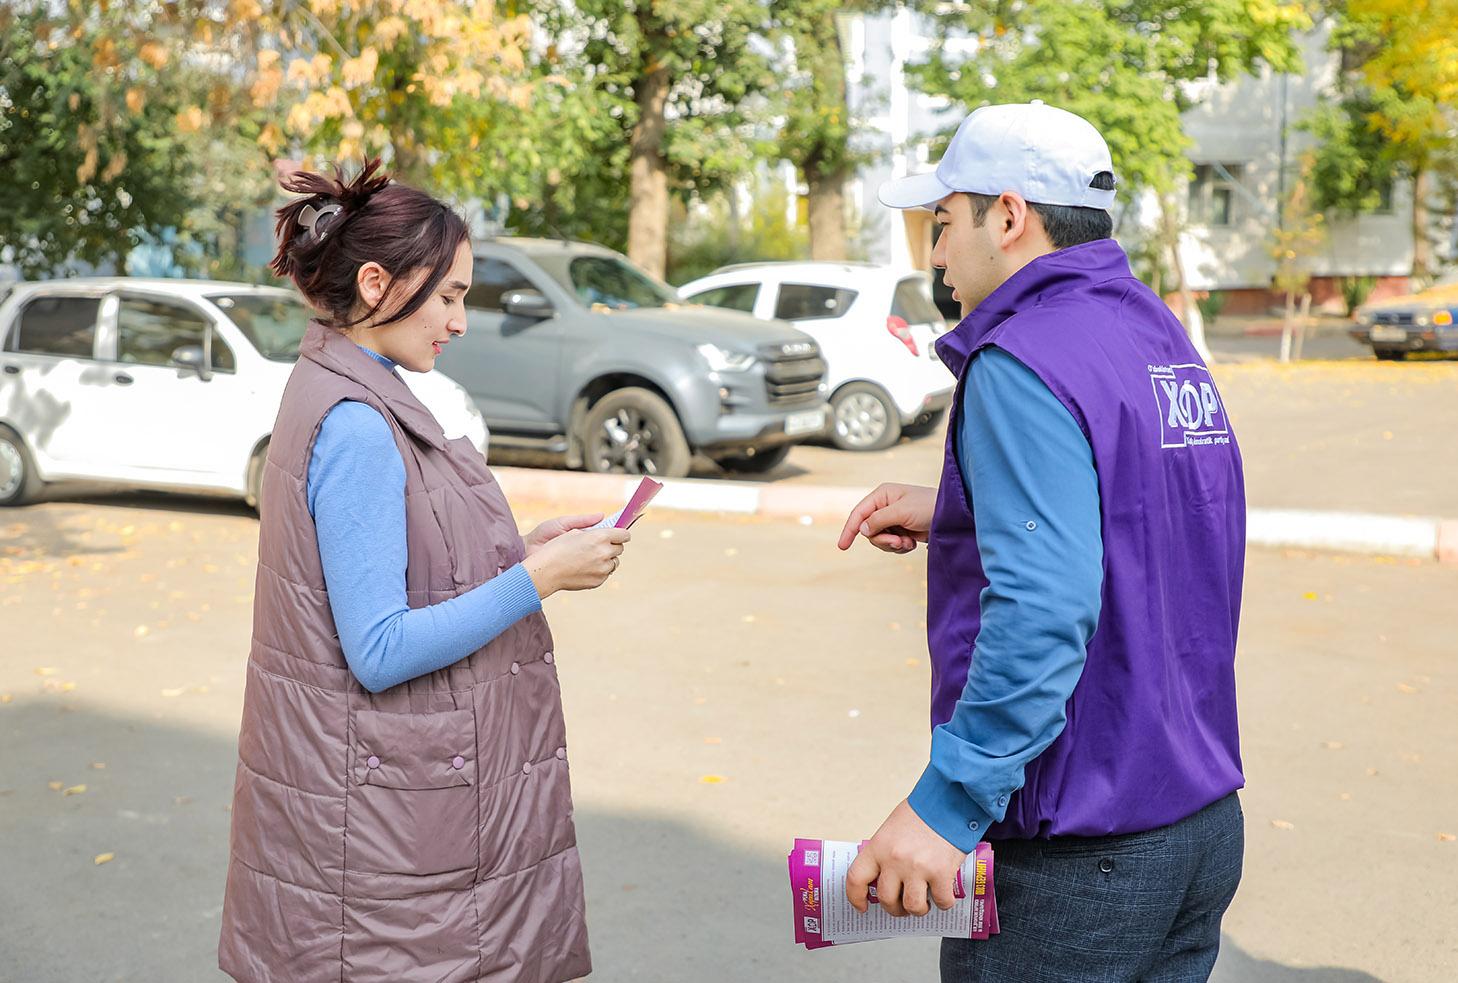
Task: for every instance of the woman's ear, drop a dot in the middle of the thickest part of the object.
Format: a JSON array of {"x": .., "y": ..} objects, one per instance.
[{"x": 372, "y": 282}]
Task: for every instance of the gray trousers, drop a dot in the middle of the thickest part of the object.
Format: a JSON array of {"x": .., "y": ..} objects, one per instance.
[{"x": 1140, "y": 908}]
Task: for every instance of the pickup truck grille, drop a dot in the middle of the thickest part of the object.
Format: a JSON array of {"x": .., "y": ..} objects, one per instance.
[{"x": 793, "y": 372}]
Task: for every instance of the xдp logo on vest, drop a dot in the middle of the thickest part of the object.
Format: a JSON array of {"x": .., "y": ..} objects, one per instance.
[{"x": 1190, "y": 411}]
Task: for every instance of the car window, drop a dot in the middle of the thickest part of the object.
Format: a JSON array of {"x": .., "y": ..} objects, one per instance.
[
  {"x": 913, "y": 304},
  {"x": 491, "y": 279},
  {"x": 223, "y": 360},
  {"x": 612, "y": 282},
  {"x": 736, "y": 297},
  {"x": 149, "y": 331},
  {"x": 807, "y": 302},
  {"x": 57, "y": 326},
  {"x": 274, "y": 324}
]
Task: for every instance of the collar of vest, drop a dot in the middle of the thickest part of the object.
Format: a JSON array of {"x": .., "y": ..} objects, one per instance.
[
  {"x": 327, "y": 347},
  {"x": 1047, "y": 276}
]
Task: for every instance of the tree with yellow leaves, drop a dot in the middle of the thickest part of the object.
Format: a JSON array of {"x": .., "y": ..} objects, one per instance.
[
  {"x": 1396, "y": 111},
  {"x": 424, "y": 83}
]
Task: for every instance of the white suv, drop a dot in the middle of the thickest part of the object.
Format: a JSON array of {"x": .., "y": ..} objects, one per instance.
[
  {"x": 170, "y": 384},
  {"x": 875, "y": 326}
]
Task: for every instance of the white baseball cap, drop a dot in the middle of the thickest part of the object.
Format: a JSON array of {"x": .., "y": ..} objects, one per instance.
[{"x": 1047, "y": 155}]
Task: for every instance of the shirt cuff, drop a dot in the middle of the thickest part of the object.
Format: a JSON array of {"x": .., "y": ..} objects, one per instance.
[
  {"x": 518, "y": 593},
  {"x": 948, "y": 810}
]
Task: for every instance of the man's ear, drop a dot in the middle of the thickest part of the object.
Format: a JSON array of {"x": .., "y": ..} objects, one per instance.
[
  {"x": 1014, "y": 219},
  {"x": 372, "y": 282}
]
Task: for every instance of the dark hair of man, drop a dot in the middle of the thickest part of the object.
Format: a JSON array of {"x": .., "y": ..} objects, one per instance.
[{"x": 1066, "y": 225}]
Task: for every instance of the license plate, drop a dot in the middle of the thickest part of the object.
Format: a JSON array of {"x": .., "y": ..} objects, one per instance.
[
  {"x": 798, "y": 423},
  {"x": 1383, "y": 332}
]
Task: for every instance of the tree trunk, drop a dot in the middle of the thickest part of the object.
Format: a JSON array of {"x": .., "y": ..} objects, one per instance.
[
  {"x": 825, "y": 167},
  {"x": 1190, "y": 311},
  {"x": 1288, "y": 326},
  {"x": 1422, "y": 243},
  {"x": 827, "y": 212},
  {"x": 648, "y": 197}
]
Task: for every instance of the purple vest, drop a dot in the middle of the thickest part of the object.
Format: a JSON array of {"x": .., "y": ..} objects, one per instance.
[{"x": 1151, "y": 736}]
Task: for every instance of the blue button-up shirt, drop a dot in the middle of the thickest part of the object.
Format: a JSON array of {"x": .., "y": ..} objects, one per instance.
[{"x": 1030, "y": 477}]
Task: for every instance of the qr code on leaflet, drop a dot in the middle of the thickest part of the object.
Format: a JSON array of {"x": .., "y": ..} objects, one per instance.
[
  {"x": 812, "y": 858},
  {"x": 812, "y": 925}
]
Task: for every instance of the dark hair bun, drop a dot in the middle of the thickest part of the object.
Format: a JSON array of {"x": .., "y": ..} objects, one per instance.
[{"x": 340, "y": 224}]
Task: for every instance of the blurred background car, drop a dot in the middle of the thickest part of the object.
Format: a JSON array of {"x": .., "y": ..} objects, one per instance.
[
  {"x": 572, "y": 349},
  {"x": 1418, "y": 322},
  {"x": 875, "y": 326},
  {"x": 171, "y": 384}
]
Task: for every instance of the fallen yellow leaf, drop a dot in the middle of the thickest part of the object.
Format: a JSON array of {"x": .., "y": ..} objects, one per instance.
[
  {"x": 712, "y": 780},
  {"x": 1282, "y": 824},
  {"x": 98, "y": 765},
  {"x": 1310, "y": 595},
  {"x": 176, "y": 691},
  {"x": 713, "y": 740},
  {"x": 46, "y": 670},
  {"x": 141, "y": 631},
  {"x": 5, "y": 697},
  {"x": 1404, "y": 688},
  {"x": 104, "y": 858},
  {"x": 55, "y": 786},
  {"x": 75, "y": 790},
  {"x": 1446, "y": 837}
]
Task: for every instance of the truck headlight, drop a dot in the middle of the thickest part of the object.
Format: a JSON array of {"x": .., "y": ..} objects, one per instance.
[{"x": 724, "y": 360}]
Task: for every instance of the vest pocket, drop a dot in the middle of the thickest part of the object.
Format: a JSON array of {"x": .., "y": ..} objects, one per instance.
[{"x": 413, "y": 806}]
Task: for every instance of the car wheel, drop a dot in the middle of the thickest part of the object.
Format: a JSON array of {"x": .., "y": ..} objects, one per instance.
[
  {"x": 19, "y": 482},
  {"x": 760, "y": 462},
  {"x": 1389, "y": 355},
  {"x": 255, "y": 479},
  {"x": 633, "y": 431},
  {"x": 925, "y": 425},
  {"x": 865, "y": 418}
]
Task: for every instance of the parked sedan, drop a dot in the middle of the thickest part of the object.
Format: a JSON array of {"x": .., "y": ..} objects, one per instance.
[
  {"x": 875, "y": 327},
  {"x": 171, "y": 384},
  {"x": 1420, "y": 322}
]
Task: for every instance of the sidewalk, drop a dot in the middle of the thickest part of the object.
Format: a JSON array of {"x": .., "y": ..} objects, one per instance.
[{"x": 1350, "y": 456}]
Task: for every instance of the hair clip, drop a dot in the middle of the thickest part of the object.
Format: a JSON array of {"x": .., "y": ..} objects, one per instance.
[{"x": 309, "y": 217}]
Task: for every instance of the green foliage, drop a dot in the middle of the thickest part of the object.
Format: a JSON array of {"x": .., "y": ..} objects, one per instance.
[
  {"x": 89, "y": 143},
  {"x": 702, "y": 240}
]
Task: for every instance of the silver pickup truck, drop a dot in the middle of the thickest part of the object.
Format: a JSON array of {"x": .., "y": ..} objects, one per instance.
[{"x": 571, "y": 348}]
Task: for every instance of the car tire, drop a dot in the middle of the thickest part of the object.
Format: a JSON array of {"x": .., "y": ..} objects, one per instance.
[
  {"x": 863, "y": 418},
  {"x": 19, "y": 481},
  {"x": 634, "y": 431},
  {"x": 931, "y": 424},
  {"x": 1390, "y": 355},
  {"x": 760, "y": 462},
  {"x": 255, "y": 478}
]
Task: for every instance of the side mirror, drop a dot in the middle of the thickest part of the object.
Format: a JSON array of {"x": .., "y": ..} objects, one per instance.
[
  {"x": 527, "y": 303},
  {"x": 191, "y": 357}
]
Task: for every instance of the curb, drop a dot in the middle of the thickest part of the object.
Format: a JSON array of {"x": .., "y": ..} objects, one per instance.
[{"x": 1344, "y": 532}]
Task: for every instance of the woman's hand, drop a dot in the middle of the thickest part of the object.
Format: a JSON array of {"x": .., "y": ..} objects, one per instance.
[
  {"x": 552, "y": 528},
  {"x": 578, "y": 559}
]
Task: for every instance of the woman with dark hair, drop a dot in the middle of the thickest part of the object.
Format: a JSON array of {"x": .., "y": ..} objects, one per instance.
[{"x": 402, "y": 809}]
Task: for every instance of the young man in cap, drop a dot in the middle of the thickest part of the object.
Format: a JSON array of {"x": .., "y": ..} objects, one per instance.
[{"x": 1086, "y": 551}]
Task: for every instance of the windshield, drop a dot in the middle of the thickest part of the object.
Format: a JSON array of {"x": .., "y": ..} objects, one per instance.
[
  {"x": 273, "y": 323},
  {"x": 621, "y": 286}
]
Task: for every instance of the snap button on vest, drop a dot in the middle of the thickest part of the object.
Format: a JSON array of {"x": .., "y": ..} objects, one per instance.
[
  {"x": 1106, "y": 865},
  {"x": 373, "y": 762},
  {"x": 526, "y": 767},
  {"x": 515, "y": 668},
  {"x": 561, "y": 754},
  {"x": 549, "y": 658},
  {"x": 458, "y": 762}
]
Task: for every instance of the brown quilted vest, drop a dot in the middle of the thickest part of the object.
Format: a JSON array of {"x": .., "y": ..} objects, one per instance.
[{"x": 423, "y": 833}]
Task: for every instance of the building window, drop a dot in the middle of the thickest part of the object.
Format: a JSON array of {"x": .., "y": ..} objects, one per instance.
[
  {"x": 1213, "y": 194},
  {"x": 1384, "y": 198}
]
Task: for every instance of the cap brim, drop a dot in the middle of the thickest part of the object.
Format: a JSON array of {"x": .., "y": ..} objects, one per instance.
[{"x": 915, "y": 191}]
